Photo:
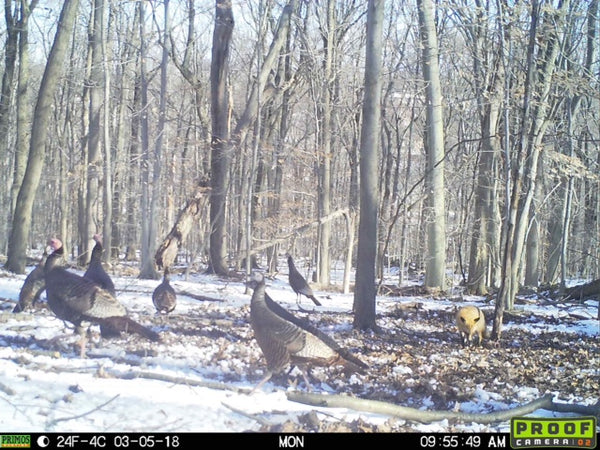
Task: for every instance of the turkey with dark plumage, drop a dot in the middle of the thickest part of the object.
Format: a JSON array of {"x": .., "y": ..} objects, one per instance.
[
  {"x": 299, "y": 283},
  {"x": 95, "y": 270},
  {"x": 164, "y": 296},
  {"x": 285, "y": 339},
  {"x": 79, "y": 300}
]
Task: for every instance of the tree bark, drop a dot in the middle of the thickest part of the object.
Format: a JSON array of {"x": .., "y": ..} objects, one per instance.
[
  {"x": 23, "y": 102},
  {"x": 533, "y": 125},
  {"x": 220, "y": 146},
  {"x": 324, "y": 142},
  {"x": 107, "y": 186},
  {"x": 21, "y": 223},
  {"x": 365, "y": 290},
  {"x": 489, "y": 102},
  {"x": 95, "y": 86},
  {"x": 11, "y": 50},
  {"x": 148, "y": 269},
  {"x": 435, "y": 273}
]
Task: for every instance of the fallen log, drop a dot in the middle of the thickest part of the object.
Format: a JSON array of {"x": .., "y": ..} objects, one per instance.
[
  {"x": 417, "y": 415},
  {"x": 583, "y": 291}
]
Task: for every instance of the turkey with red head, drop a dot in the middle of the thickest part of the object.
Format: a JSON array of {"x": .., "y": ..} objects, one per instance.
[
  {"x": 95, "y": 270},
  {"x": 79, "y": 300}
]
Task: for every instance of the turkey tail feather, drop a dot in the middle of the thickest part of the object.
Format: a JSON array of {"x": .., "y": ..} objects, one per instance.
[
  {"x": 314, "y": 299},
  {"x": 351, "y": 362},
  {"x": 117, "y": 324}
]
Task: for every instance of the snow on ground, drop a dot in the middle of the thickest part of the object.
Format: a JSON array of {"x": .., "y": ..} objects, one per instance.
[{"x": 198, "y": 378}]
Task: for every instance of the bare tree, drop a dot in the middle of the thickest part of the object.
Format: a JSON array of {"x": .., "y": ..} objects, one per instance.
[
  {"x": 223, "y": 142},
  {"x": 95, "y": 86},
  {"x": 365, "y": 290},
  {"x": 21, "y": 223},
  {"x": 489, "y": 78},
  {"x": 23, "y": 102},
  {"x": 220, "y": 146},
  {"x": 533, "y": 125},
  {"x": 435, "y": 274},
  {"x": 149, "y": 240}
]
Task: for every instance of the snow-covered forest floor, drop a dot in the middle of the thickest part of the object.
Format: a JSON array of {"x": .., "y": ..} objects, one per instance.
[{"x": 199, "y": 377}]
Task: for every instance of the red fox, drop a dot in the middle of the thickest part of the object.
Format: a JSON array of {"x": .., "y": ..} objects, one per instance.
[{"x": 470, "y": 321}]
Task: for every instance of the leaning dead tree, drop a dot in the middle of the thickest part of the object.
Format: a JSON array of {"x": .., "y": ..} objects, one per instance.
[{"x": 168, "y": 249}]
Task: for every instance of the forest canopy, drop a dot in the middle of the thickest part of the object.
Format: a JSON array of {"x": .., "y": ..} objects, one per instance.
[{"x": 131, "y": 135}]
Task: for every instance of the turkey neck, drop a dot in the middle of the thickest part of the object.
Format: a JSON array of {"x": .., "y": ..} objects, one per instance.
[
  {"x": 53, "y": 259},
  {"x": 259, "y": 294}
]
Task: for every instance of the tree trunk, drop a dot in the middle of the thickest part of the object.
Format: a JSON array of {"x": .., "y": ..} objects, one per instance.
[
  {"x": 489, "y": 102},
  {"x": 23, "y": 104},
  {"x": 365, "y": 290},
  {"x": 533, "y": 126},
  {"x": 274, "y": 201},
  {"x": 435, "y": 274},
  {"x": 11, "y": 49},
  {"x": 107, "y": 186},
  {"x": 324, "y": 142},
  {"x": 147, "y": 269},
  {"x": 149, "y": 240},
  {"x": 220, "y": 146},
  {"x": 133, "y": 155},
  {"x": 21, "y": 223},
  {"x": 96, "y": 88},
  {"x": 532, "y": 254}
]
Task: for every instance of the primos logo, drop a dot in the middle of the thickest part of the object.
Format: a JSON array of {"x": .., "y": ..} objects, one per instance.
[
  {"x": 15, "y": 441},
  {"x": 529, "y": 432}
]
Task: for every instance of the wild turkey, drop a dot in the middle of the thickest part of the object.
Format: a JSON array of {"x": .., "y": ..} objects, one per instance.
[
  {"x": 285, "y": 339},
  {"x": 164, "y": 296},
  {"x": 32, "y": 288},
  {"x": 79, "y": 300},
  {"x": 298, "y": 283},
  {"x": 95, "y": 270}
]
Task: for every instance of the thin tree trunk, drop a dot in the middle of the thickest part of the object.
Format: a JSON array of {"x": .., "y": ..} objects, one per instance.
[
  {"x": 23, "y": 104},
  {"x": 220, "y": 146},
  {"x": 324, "y": 147},
  {"x": 435, "y": 275},
  {"x": 107, "y": 186},
  {"x": 365, "y": 290},
  {"x": 12, "y": 47},
  {"x": 21, "y": 223},
  {"x": 95, "y": 86},
  {"x": 533, "y": 126},
  {"x": 489, "y": 102},
  {"x": 146, "y": 263},
  {"x": 132, "y": 176},
  {"x": 149, "y": 240}
]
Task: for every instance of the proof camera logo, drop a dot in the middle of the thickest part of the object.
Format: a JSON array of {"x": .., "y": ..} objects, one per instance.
[{"x": 574, "y": 432}]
